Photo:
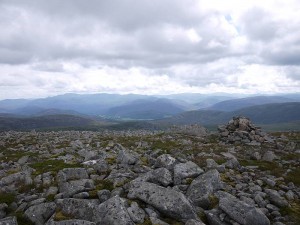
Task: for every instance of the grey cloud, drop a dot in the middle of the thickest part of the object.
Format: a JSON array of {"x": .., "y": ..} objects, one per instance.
[{"x": 259, "y": 25}]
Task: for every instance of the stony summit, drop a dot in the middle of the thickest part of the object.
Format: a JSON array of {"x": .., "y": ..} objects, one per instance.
[{"x": 185, "y": 175}]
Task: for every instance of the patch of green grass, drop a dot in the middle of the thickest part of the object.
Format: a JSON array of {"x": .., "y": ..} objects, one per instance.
[
  {"x": 214, "y": 201},
  {"x": 22, "y": 220},
  {"x": 59, "y": 216},
  {"x": 293, "y": 176},
  {"x": 9, "y": 155},
  {"x": 104, "y": 184},
  {"x": 146, "y": 222},
  {"x": 273, "y": 167},
  {"x": 50, "y": 198},
  {"x": 52, "y": 166},
  {"x": 7, "y": 198},
  {"x": 292, "y": 212}
]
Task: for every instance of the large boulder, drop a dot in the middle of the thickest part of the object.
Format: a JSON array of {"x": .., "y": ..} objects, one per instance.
[
  {"x": 166, "y": 161},
  {"x": 39, "y": 214},
  {"x": 240, "y": 211},
  {"x": 83, "y": 209},
  {"x": 72, "y": 174},
  {"x": 276, "y": 199},
  {"x": 185, "y": 170},
  {"x": 125, "y": 157},
  {"x": 113, "y": 212},
  {"x": 169, "y": 202},
  {"x": 201, "y": 189},
  {"x": 9, "y": 221},
  {"x": 68, "y": 189}
]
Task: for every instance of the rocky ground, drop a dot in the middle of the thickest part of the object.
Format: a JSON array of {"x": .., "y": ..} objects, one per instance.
[{"x": 240, "y": 175}]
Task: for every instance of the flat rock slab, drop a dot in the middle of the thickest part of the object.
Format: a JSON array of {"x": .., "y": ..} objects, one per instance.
[
  {"x": 39, "y": 214},
  {"x": 169, "y": 202},
  {"x": 9, "y": 221},
  {"x": 240, "y": 211}
]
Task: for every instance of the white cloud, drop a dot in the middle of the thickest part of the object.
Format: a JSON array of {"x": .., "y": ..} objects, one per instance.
[{"x": 54, "y": 47}]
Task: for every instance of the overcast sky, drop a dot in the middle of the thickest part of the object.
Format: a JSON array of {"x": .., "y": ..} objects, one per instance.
[{"x": 50, "y": 47}]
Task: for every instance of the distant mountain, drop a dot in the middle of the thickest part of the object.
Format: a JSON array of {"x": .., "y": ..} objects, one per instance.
[
  {"x": 40, "y": 122},
  {"x": 146, "y": 109},
  {"x": 235, "y": 104},
  {"x": 262, "y": 114}
]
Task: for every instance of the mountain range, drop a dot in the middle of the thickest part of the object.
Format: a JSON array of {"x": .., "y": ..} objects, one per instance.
[{"x": 116, "y": 110}]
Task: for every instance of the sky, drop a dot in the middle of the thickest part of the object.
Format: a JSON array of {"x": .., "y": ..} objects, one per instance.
[{"x": 148, "y": 47}]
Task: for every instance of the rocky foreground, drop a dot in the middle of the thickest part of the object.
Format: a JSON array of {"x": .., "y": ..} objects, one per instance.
[{"x": 239, "y": 176}]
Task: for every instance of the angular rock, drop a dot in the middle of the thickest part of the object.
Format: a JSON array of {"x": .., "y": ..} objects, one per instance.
[
  {"x": 276, "y": 199},
  {"x": 161, "y": 176},
  {"x": 113, "y": 212},
  {"x": 240, "y": 211},
  {"x": 103, "y": 195},
  {"x": 136, "y": 214},
  {"x": 269, "y": 156},
  {"x": 39, "y": 214},
  {"x": 166, "y": 161},
  {"x": 185, "y": 170},
  {"x": 68, "y": 189},
  {"x": 83, "y": 209},
  {"x": 70, "y": 222},
  {"x": 9, "y": 221},
  {"x": 203, "y": 186},
  {"x": 3, "y": 208},
  {"x": 72, "y": 174},
  {"x": 194, "y": 222},
  {"x": 127, "y": 158},
  {"x": 169, "y": 202}
]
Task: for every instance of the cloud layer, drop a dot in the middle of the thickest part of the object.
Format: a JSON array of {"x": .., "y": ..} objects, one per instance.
[{"x": 149, "y": 46}]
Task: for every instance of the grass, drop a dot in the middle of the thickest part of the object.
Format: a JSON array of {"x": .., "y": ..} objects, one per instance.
[
  {"x": 266, "y": 166},
  {"x": 104, "y": 184},
  {"x": 292, "y": 212},
  {"x": 7, "y": 198},
  {"x": 9, "y": 155},
  {"x": 293, "y": 176},
  {"x": 59, "y": 216},
  {"x": 22, "y": 220},
  {"x": 52, "y": 166}
]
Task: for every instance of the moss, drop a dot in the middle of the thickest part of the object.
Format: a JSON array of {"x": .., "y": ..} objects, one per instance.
[
  {"x": 273, "y": 167},
  {"x": 214, "y": 201},
  {"x": 50, "y": 198},
  {"x": 22, "y": 220},
  {"x": 9, "y": 155},
  {"x": 144, "y": 161},
  {"x": 202, "y": 217},
  {"x": 111, "y": 160},
  {"x": 59, "y": 216},
  {"x": 51, "y": 166},
  {"x": 104, "y": 184},
  {"x": 293, "y": 176},
  {"x": 146, "y": 222},
  {"x": 7, "y": 198},
  {"x": 292, "y": 212}
]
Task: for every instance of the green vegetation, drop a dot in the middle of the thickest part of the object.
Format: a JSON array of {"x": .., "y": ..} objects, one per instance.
[
  {"x": 273, "y": 167},
  {"x": 59, "y": 216},
  {"x": 292, "y": 212},
  {"x": 293, "y": 176},
  {"x": 104, "y": 184},
  {"x": 52, "y": 166},
  {"x": 22, "y": 220},
  {"x": 7, "y": 198}
]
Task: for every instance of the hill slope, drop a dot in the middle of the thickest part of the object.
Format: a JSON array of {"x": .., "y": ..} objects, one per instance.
[
  {"x": 146, "y": 109},
  {"x": 235, "y": 104}
]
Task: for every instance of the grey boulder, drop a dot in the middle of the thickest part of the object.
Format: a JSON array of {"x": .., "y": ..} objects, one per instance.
[
  {"x": 39, "y": 214},
  {"x": 113, "y": 212},
  {"x": 240, "y": 211},
  {"x": 169, "y": 202},
  {"x": 9, "y": 221},
  {"x": 185, "y": 170},
  {"x": 203, "y": 187}
]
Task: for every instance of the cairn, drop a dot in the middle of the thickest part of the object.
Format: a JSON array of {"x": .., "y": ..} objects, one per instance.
[{"x": 241, "y": 130}]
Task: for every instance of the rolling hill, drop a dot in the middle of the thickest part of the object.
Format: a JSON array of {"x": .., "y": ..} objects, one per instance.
[
  {"x": 146, "y": 109},
  {"x": 261, "y": 114},
  {"x": 235, "y": 104}
]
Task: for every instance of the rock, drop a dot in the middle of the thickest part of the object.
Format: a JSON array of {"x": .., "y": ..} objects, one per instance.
[
  {"x": 16, "y": 180},
  {"x": 103, "y": 195},
  {"x": 166, "y": 161},
  {"x": 70, "y": 222},
  {"x": 160, "y": 176},
  {"x": 194, "y": 222},
  {"x": 276, "y": 199},
  {"x": 256, "y": 156},
  {"x": 169, "y": 202},
  {"x": 201, "y": 189},
  {"x": 127, "y": 158},
  {"x": 213, "y": 217},
  {"x": 68, "y": 189},
  {"x": 3, "y": 208},
  {"x": 71, "y": 174},
  {"x": 83, "y": 209},
  {"x": 156, "y": 221},
  {"x": 113, "y": 212},
  {"x": 9, "y": 221},
  {"x": 136, "y": 214},
  {"x": 185, "y": 170},
  {"x": 269, "y": 156},
  {"x": 240, "y": 211},
  {"x": 39, "y": 214}
]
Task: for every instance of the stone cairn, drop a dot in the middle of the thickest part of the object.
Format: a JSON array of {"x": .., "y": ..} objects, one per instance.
[{"x": 241, "y": 130}]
